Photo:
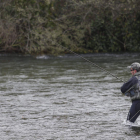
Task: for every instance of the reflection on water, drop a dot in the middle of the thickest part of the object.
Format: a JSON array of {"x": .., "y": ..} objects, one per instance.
[{"x": 64, "y": 98}]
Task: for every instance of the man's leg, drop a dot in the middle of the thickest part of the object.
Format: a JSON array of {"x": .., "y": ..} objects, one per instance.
[{"x": 134, "y": 111}]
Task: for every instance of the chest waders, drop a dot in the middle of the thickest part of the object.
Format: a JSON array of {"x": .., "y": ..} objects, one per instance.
[{"x": 134, "y": 94}]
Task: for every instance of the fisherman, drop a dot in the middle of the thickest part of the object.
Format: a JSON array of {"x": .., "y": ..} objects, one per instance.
[{"x": 132, "y": 89}]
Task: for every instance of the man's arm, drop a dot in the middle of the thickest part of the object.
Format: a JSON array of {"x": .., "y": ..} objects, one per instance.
[{"x": 128, "y": 85}]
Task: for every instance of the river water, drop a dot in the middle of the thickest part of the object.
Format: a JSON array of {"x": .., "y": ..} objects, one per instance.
[{"x": 64, "y": 98}]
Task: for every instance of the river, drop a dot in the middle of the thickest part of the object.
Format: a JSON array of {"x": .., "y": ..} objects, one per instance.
[{"x": 64, "y": 98}]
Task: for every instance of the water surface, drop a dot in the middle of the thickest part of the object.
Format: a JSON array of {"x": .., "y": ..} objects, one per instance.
[{"x": 64, "y": 98}]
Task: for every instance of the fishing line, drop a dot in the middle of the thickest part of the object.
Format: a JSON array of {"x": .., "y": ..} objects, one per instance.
[
  {"x": 134, "y": 115},
  {"x": 87, "y": 60}
]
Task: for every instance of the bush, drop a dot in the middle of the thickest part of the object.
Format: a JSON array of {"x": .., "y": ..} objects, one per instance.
[{"x": 84, "y": 26}]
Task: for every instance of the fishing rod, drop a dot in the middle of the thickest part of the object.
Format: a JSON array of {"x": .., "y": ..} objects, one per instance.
[
  {"x": 87, "y": 61},
  {"x": 96, "y": 65}
]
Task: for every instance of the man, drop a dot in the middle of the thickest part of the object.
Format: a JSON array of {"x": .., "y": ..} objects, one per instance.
[{"x": 132, "y": 89}]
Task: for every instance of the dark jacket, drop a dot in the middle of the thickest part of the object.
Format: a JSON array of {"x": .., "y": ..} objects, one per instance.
[
  {"x": 130, "y": 83},
  {"x": 132, "y": 87}
]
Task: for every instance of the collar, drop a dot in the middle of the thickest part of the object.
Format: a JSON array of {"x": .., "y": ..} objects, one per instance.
[{"x": 137, "y": 73}]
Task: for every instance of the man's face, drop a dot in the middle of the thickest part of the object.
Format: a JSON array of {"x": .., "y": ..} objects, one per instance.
[{"x": 133, "y": 71}]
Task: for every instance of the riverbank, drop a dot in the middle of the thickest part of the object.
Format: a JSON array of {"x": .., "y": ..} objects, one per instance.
[{"x": 87, "y": 26}]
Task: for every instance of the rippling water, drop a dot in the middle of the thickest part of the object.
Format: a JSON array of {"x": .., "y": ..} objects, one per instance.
[{"x": 64, "y": 98}]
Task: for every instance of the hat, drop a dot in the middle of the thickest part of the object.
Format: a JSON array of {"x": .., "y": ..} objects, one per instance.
[{"x": 134, "y": 66}]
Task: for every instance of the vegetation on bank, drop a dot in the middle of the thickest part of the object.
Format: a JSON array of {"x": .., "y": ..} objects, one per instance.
[{"x": 84, "y": 26}]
